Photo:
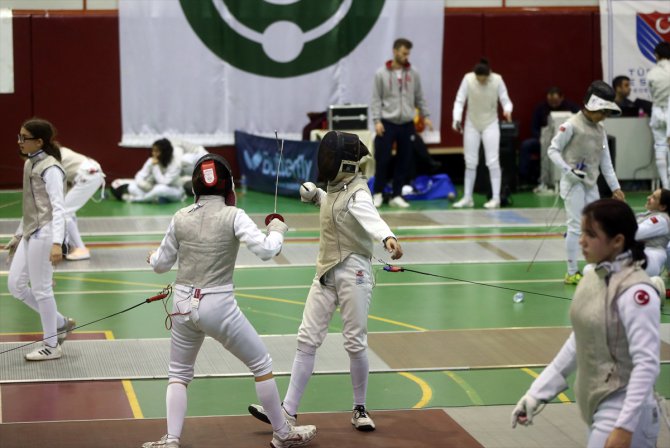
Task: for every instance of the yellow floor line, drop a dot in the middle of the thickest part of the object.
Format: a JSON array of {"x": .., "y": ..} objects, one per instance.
[
  {"x": 426, "y": 391},
  {"x": 469, "y": 390},
  {"x": 128, "y": 388},
  {"x": 562, "y": 397},
  {"x": 104, "y": 280}
]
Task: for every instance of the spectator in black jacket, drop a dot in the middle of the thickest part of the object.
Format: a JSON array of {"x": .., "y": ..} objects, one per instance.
[{"x": 530, "y": 148}]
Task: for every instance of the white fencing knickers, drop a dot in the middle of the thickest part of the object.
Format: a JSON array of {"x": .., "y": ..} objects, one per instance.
[
  {"x": 88, "y": 180},
  {"x": 218, "y": 316},
  {"x": 576, "y": 195},
  {"x": 658, "y": 124},
  {"x": 472, "y": 138}
]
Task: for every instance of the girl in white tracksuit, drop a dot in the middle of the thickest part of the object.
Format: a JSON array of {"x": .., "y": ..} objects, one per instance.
[
  {"x": 580, "y": 150},
  {"x": 205, "y": 237},
  {"x": 36, "y": 246},
  {"x": 615, "y": 343},
  {"x": 654, "y": 230},
  {"x": 84, "y": 177},
  {"x": 159, "y": 179},
  {"x": 482, "y": 89}
]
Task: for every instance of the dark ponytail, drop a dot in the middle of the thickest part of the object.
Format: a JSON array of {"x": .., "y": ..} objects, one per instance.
[
  {"x": 664, "y": 200},
  {"x": 44, "y": 130},
  {"x": 617, "y": 218}
]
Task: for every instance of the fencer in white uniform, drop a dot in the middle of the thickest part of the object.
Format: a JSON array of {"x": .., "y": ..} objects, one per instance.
[
  {"x": 580, "y": 150},
  {"x": 350, "y": 226},
  {"x": 615, "y": 343},
  {"x": 205, "y": 238},
  {"x": 482, "y": 89},
  {"x": 37, "y": 243},
  {"x": 658, "y": 80},
  {"x": 654, "y": 230},
  {"x": 84, "y": 177}
]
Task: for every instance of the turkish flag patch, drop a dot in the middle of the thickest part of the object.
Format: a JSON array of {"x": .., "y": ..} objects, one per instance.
[
  {"x": 562, "y": 128},
  {"x": 654, "y": 220},
  {"x": 641, "y": 297}
]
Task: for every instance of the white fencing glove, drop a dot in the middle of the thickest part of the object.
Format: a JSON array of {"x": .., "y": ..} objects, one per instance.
[
  {"x": 11, "y": 247},
  {"x": 524, "y": 410},
  {"x": 575, "y": 175},
  {"x": 277, "y": 226},
  {"x": 456, "y": 126},
  {"x": 308, "y": 192}
]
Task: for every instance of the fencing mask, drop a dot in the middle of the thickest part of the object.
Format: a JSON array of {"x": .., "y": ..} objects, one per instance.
[
  {"x": 339, "y": 155},
  {"x": 212, "y": 175},
  {"x": 600, "y": 96}
]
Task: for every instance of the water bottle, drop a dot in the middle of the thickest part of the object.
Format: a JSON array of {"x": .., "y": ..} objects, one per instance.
[
  {"x": 518, "y": 297},
  {"x": 243, "y": 184}
]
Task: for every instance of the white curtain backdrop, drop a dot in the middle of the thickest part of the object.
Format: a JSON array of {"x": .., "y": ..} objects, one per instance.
[{"x": 173, "y": 84}]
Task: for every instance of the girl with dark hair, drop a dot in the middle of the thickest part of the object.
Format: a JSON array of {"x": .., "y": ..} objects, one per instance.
[
  {"x": 654, "y": 230},
  {"x": 615, "y": 343},
  {"x": 482, "y": 89},
  {"x": 36, "y": 246},
  {"x": 580, "y": 150},
  {"x": 159, "y": 179}
]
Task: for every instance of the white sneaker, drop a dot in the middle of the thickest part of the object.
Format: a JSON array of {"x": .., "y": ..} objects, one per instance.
[
  {"x": 399, "y": 202},
  {"x": 378, "y": 199},
  {"x": 361, "y": 419},
  {"x": 78, "y": 254},
  {"x": 45, "y": 353},
  {"x": 492, "y": 203},
  {"x": 65, "y": 330},
  {"x": 161, "y": 443},
  {"x": 259, "y": 412},
  {"x": 297, "y": 436},
  {"x": 464, "y": 203}
]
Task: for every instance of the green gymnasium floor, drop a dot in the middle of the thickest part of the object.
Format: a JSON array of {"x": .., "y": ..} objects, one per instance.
[{"x": 480, "y": 258}]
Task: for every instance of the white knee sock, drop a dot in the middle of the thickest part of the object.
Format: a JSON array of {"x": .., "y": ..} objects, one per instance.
[
  {"x": 496, "y": 176},
  {"x": 359, "y": 367},
  {"x": 572, "y": 250},
  {"x": 49, "y": 318},
  {"x": 303, "y": 366},
  {"x": 73, "y": 233},
  {"x": 662, "y": 166},
  {"x": 469, "y": 183},
  {"x": 269, "y": 398},
  {"x": 176, "y": 401}
]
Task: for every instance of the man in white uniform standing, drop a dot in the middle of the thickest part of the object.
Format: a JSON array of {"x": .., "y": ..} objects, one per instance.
[
  {"x": 658, "y": 80},
  {"x": 482, "y": 89}
]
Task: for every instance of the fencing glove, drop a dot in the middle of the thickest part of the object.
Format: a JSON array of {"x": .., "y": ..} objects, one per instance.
[
  {"x": 575, "y": 175},
  {"x": 308, "y": 192},
  {"x": 277, "y": 226},
  {"x": 11, "y": 247},
  {"x": 524, "y": 410},
  {"x": 456, "y": 126}
]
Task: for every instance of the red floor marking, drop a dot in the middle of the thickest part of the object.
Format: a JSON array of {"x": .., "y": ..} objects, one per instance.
[{"x": 72, "y": 400}]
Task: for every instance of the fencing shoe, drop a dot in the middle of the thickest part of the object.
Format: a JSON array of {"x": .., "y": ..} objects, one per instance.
[
  {"x": 45, "y": 353},
  {"x": 66, "y": 329},
  {"x": 378, "y": 199},
  {"x": 259, "y": 412},
  {"x": 78, "y": 254},
  {"x": 572, "y": 279},
  {"x": 297, "y": 436},
  {"x": 492, "y": 203},
  {"x": 399, "y": 202},
  {"x": 464, "y": 203},
  {"x": 162, "y": 443},
  {"x": 361, "y": 419}
]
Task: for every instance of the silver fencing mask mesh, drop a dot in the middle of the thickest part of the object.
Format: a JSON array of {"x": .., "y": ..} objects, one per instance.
[{"x": 339, "y": 155}]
